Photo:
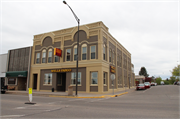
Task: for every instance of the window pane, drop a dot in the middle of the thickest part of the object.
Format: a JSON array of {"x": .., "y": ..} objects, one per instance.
[
  {"x": 75, "y": 50},
  {"x": 49, "y": 59},
  {"x": 94, "y": 79},
  {"x": 43, "y": 60},
  {"x": 44, "y": 54},
  {"x": 83, "y": 56},
  {"x": 92, "y": 55},
  {"x": 93, "y": 48},
  {"x": 38, "y": 55},
  {"x": 75, "y": 57},
  {"x": 68, "y": 53},
  {"x": 50, "y": 54},
  {"x": 56, "y": 59},
  {"x": 84, "y": 50}
]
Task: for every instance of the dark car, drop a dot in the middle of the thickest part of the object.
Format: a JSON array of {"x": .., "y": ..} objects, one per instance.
[{"x": 140, "y": 87}]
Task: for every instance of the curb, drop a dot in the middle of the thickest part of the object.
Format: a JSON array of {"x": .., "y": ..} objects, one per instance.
[
  {"x": 119, "y": 94},
  {"x": 74, "y": 96}
]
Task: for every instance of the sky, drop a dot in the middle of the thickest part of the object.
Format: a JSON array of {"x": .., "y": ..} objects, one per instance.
[{"x": 148, "y": 29}]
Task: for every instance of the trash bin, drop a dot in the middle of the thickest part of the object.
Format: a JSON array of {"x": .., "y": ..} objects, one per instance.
[
  {"x": 52, "y": 89},
  {"x": 70, "y": 90}
]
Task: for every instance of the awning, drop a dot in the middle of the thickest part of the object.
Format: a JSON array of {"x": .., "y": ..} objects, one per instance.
[{"x": 16, "y": 74}]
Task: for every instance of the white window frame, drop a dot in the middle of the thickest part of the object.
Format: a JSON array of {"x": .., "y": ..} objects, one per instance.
[
  {"x": 37, "y": 57},
  {"x": 55, "y": 58},
  {"x": 92, "y": 52},
  {"x": 95, "y": 77},
  {"x": 69, "y": 55},
  {"x": 74, "y": 78},
  {"x": 44, "y": 51},
  {"x": 84, "y": 46},
  {"x": 47, "y": 80},
  {"x": 50, "y": 50}
]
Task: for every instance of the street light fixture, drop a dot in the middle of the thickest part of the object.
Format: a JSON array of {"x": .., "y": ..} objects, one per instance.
[{"x": 78, "y": 20}]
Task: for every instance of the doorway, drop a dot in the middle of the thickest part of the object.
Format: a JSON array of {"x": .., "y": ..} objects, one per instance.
[
  {"x": 61, "y": 82},
  {"x": 35, "y": 81}
]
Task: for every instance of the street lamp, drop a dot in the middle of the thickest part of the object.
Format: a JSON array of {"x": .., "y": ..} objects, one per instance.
[{"x": 78, "y": 20}]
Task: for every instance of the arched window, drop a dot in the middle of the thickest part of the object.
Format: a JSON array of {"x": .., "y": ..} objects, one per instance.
[
  {"x": 75, "y": 52},
  {"x": 50, "y": 56},
  {"x": 44, "y": 56},
  {"x": 84, "y": 52}
]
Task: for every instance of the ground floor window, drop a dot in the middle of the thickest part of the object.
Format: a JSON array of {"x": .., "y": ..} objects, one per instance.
[
  {"x": 73, "y": 78},
  {"x": 48, "y": 79},
  {"x": 104, "y": 77},
  {"x": 12, "y": 81},
  {"x": 94, "y": 77}
]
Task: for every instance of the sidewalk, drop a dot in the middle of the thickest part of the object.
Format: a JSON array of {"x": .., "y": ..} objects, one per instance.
[{"x": 65, "y": 94}]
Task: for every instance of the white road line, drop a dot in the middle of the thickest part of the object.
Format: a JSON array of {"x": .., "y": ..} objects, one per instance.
[{"x": 20, "y": 107}]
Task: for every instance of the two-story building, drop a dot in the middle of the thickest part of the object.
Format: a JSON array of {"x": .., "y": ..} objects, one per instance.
[{"x": 100, "y": 55}]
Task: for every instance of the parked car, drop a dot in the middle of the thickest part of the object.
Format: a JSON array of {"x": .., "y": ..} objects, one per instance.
[
  {"x": 147, "y": 85},
  {"x": 152, "y": 84},
  {"x": 178, "y": 83},
  {"x": 4, "y": 88},
  {"x": 162, "y": 82},
  {"x": 140, "y": 86},
  {"x": 155, "y": 84}
]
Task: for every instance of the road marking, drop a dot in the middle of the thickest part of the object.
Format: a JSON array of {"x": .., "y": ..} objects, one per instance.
[
  {"x": 54, "y": 102},
  {"x": 99, "y": 99},
  {"x": 20, "y": 107},
  {"x": 76, "y": 99},
  {"x": 6, "y": 116}
]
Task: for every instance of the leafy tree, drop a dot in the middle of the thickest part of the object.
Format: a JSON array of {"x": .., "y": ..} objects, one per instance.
[
  {"x": 176, "y": 72},
  {"x": 158, "y": 80},
  {"x": 143, "y": 72},
  {"x": 166, "y": 82}
]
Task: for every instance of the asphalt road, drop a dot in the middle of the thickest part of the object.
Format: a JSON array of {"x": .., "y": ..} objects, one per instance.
[{"x": 156, "y": 102}]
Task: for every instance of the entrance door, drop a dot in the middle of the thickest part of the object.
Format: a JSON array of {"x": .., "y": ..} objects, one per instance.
[
  {"x": 61, "y": 82},
  {"x": 35, "y": 81}
]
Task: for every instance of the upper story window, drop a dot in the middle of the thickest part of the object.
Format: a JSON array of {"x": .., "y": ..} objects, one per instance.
[
  {"x": 56, "y": 58},
  {"x": 109, "y": 55},
  {"x": 37, "y": 58},
  {"x": 104, "y": 52},
  {"x": 68, "y": 54},
  {"x": 75, "y": 53},
  {"x": 43, "y": 56},
  {"x": 104, "y": 77},
  {"x": 50, "y": 56},
  {"x": 93, "y": 52},
  {"x": 84, "y": 52},
  {"x": 118, "y": 60}
]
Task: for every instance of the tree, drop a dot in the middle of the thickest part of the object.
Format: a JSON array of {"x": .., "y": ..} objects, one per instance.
[
  {"x": 172, "y": 80},
  {"x": 158, "y": 80},
  {"x": 143, "y": 72},
  {"x": 176, "y": 72}
]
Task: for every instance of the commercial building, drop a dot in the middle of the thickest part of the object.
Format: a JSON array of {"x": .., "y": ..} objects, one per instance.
[
  {"x": 18, "y": 68},
  {"x": 100, "y": 55}
]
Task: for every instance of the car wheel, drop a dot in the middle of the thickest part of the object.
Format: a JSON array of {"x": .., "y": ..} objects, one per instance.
[{"x": 2, "y": 92}]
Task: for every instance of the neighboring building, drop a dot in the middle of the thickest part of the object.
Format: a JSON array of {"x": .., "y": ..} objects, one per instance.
[
  {"x": 3, "y": 65},
  {"x": 100, "y": 55},
  {"x": 18, "y": 68},
  {"x": 139, "y": 78}
]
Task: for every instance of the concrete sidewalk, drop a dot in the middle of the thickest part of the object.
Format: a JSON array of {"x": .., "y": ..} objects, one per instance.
[{"x": 65, "y": 94}]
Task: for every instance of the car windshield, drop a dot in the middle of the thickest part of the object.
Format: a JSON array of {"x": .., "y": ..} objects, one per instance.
[
  {"x": 141, "y": 85},
  {"x": 146, "y": 82}
]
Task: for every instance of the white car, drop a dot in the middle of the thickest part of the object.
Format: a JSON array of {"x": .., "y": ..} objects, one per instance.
[
  {"x": 155, "y": 84},
  {"x": 162, "y": 82}
]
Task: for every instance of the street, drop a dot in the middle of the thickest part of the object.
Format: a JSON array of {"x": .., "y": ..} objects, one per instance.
[{"x": 156, "y": 102}]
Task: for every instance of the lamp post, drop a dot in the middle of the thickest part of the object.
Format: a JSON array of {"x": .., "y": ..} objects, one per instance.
[{"x": 78, "y": 20}]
